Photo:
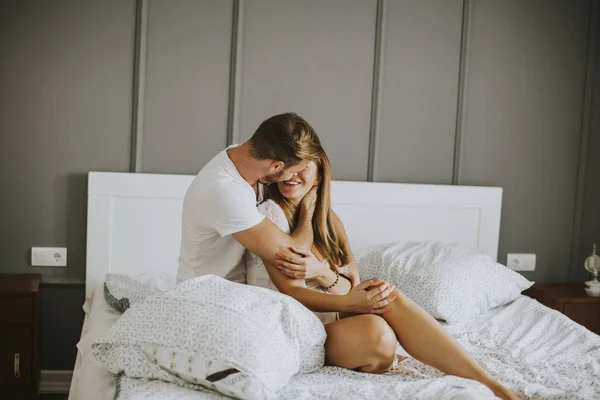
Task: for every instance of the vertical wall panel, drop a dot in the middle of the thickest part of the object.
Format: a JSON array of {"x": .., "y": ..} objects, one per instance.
[
  {"x": 522, "y": 121},
  {"x": 65, "y": 109},
  {"x": 420, "y": 89},
  {"x": 590, "y": 226},
  {"x": 315, "y": 58},
  {"x": 187, "y": 84}
]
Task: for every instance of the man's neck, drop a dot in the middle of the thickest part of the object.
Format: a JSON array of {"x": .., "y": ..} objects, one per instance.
[{"x": 244, "y": 163}]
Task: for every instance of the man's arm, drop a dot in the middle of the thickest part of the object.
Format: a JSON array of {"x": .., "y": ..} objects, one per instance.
[
  {"x": 266, "y": 240},
  {"x": 295, "y": 264}
]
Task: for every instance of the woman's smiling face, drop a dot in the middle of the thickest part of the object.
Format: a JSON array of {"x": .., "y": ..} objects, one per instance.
[{"x": 295, "y": 188}]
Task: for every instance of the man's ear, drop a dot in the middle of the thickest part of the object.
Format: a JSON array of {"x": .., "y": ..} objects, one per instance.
[{"x": 276, "y": 166}]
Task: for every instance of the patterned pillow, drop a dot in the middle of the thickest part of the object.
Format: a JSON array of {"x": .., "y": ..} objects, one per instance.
[
  {"x": 451, "y": 282},
  {"x": 121, "y": 291},
  {"x": 243, "y": 341}
]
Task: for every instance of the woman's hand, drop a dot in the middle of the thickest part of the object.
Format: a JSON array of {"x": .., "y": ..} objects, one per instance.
[
  {"x": 300, "y": 264},
  {"x": 370, "y": 297},
  {"x": 309, "y": 201},
  {"x": 350, "y": 271}
]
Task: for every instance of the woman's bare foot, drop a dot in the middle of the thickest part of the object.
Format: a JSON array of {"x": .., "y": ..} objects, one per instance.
[{"x": 501, "y": 391}]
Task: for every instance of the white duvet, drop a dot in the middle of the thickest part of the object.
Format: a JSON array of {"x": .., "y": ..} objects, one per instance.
[
  {"x": 243, "y": 341},
  {"x": 537, "y": 352}
]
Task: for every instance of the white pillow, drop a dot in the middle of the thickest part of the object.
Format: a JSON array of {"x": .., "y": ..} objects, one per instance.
[
  {"x": 243, "y": 341},
  {"x": 450, "y": 281},
  {"x": 121, "y": 291}
]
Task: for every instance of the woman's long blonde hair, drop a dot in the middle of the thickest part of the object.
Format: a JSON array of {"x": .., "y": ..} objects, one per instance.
[{"x": 326, "y": 238}]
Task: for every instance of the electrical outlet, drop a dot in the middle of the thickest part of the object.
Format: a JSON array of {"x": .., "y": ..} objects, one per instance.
[
  {"x": 49, "y": 256},
  {"x": 521, "y": 262}
]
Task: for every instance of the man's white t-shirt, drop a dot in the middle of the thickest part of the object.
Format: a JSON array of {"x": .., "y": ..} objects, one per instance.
[{"x": 218, "y": 203}]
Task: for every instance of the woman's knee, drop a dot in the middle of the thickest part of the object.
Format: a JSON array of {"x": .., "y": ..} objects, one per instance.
[{"x": 382, "y": 342}]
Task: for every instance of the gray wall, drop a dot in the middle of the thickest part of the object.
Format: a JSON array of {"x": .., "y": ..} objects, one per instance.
[
  {"x": 186, "y": 84},
  {"x": 523, "y": 97},
  {"x": 420, "y": 91},
  {"x": 316, "y": 58},
  {"x": 65, "y": 109},
  {"x": 480, "y": 92}
]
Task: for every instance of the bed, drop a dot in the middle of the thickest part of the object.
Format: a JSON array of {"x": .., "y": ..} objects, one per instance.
[{"x": 134, "y": 228}]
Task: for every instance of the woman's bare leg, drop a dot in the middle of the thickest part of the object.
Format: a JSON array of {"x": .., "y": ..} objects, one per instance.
[
  {"x": 363, "y": 343},
  {"x": 427, "y": 341}
]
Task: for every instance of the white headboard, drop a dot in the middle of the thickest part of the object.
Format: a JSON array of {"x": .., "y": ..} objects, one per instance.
[{"x": 134, "y": 220}]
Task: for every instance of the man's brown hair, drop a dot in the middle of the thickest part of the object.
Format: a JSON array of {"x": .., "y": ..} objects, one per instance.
[{"x": 287, "y": 138}]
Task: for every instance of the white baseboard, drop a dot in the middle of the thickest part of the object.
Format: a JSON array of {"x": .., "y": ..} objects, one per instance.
[{"x": 55, "y": 381}]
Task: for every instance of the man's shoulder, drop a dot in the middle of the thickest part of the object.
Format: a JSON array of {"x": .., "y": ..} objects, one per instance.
[
  {"x": 217, "y": 187},
  {"x": 216, "y": 177}
]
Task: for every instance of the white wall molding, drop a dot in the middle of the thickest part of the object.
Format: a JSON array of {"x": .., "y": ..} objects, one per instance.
[
  {"x": 55, "y": 381},
  {"x": 376, "y": 93},
  {"x": 586, "y": 119},
  {"x": 235, "y": 72},
  {"x": 139, "y": 79},
  {"x": 460, "y": 100}
]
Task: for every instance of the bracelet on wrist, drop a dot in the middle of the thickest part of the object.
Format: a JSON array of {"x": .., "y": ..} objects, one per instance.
[{"x": 337, "y": 279}]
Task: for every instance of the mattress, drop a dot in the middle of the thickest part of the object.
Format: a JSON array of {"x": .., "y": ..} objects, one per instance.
[{"x": 537, "y": 352}]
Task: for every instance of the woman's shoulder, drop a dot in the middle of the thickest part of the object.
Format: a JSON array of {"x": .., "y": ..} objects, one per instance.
[
  {"x": 269, "y": 206},
  {"x": 274, "y": 212}
]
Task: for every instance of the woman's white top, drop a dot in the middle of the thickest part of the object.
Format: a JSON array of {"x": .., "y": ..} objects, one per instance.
[{"x": 256, "y": 273}]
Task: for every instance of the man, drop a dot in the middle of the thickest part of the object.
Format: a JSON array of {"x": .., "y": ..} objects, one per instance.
[{"x": 220, "y": 218}]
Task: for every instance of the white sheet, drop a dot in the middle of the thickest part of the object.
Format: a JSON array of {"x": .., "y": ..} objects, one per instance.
[
  {"x": 91, "y": 380},
  {"x": 532, "y": 349}
]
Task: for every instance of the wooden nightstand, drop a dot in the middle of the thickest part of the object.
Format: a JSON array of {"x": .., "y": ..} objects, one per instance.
[
  {"x": 571, "y": 300},
  {"x": 19, "y": 321}
]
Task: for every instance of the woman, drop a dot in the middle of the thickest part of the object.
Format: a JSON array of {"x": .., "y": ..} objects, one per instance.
[{"x": 364, "y": 342}]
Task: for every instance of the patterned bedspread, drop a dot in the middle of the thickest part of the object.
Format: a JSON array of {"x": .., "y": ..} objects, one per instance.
[{"x": 537, "y": 352}]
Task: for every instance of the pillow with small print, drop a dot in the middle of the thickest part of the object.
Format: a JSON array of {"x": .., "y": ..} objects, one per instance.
[
  {"x": 121, "y": 291},
  {"x": 452, "y": 282},
  {"x": 241, "y": 340}
]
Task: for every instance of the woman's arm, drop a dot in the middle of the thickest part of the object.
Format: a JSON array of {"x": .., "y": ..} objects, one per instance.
[
  {"x": 370, "y": 297},
  {"x": 343, "y": 238},
  {"x": 312, "y": 299},
  {"x": 330, "y": 277},
  {"x": 303, "y": 233},
  {"x": 350, "y": 267}
]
